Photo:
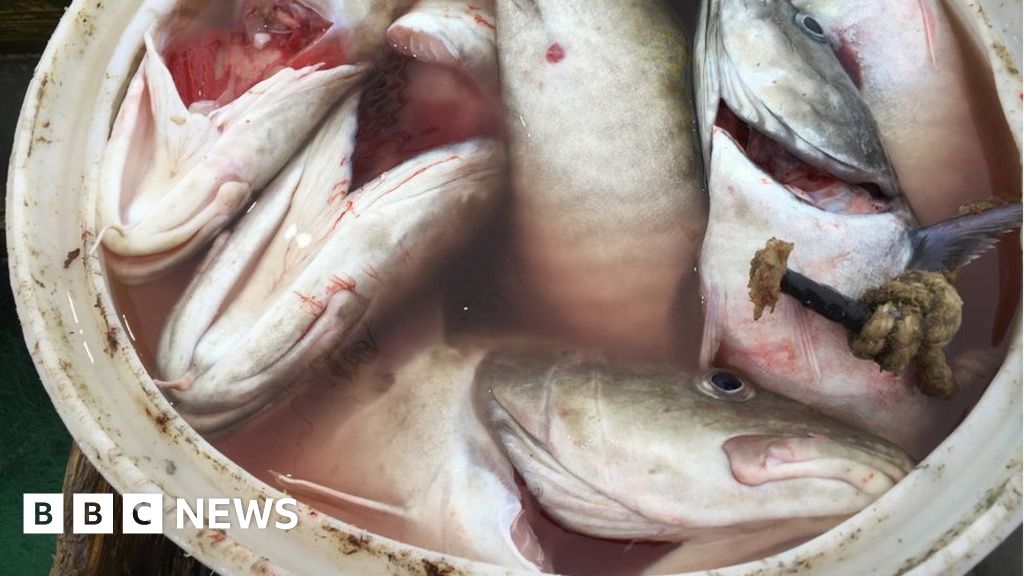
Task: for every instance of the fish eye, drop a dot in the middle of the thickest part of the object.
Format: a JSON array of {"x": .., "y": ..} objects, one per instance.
[
  {"x": 724, "y": 385},
  {"x": 811, "y": 26},
  {"x": 726, "y": 382}
]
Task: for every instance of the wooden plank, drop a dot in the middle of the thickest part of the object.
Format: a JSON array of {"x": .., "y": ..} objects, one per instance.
[
  {"x": 112, "y": 554},
  {"x": 26, "y": 25}
]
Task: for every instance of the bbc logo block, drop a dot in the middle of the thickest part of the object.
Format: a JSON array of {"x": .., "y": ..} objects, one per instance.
[
  {"x": 43, "y": 514},
  {"x": 93, "y": 514},
  {"x": 144, "y": 513}
]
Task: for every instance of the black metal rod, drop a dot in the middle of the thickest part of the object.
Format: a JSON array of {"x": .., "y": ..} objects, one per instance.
[{"x": 826, "y": 301}]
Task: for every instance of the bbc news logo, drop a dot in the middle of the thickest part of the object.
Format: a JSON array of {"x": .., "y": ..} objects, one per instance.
[{"x": 144, "y": 513}]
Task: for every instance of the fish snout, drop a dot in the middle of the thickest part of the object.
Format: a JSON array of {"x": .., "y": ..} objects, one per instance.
[{"x": 870, "y": 466}]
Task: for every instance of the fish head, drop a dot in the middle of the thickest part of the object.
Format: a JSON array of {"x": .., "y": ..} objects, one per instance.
[
  {"x": 770, "y": 69},
  {"x": 884, "y": 47},
  {"x": 646, "y": 453},
  {"x": 793, "y": 351},
  {"x": 918, "y": 68}
]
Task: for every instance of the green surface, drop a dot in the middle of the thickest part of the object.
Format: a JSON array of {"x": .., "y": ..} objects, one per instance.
[{"x": 33, "y": 442}]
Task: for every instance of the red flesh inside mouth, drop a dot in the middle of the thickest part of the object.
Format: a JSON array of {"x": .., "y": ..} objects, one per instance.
[
  {"x": 812, "y": 185},
  {"x": 217, "y": 60},
  {"x": 409, "y": 107}
]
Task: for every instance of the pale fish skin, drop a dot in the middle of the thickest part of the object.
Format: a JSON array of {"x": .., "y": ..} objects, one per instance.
[
  {"x": 450, "y": 32},
  {"x": 785, "y": 82},
  {"x": 927, "y": 99},
  {"x": 402, "y": 452},
  {"x": 172, "y": 176},
  {"x": 793, "y": 351},
  {"x": 646, "y": 452},
  {"x": 608, "y": 206},
  {"x": 311, "y": 263}
]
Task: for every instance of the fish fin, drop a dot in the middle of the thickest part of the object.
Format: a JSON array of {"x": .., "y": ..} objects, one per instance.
[
  {"x": 805, "y": 343},
  {"x": 712, "y": 337},
  {"x": 707, "y": 90},
  {"x": 337, "y": 498},
  {"x": 524, "y": 544},
  {"x": 955, "y": 243},
  {"x": 180, "y": 134},
  {"x": 928, "y": 21},
  {"x": 976, "y": 368}
]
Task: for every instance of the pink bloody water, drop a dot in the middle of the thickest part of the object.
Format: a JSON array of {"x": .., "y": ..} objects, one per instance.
[{"x": 409, "y": 107}]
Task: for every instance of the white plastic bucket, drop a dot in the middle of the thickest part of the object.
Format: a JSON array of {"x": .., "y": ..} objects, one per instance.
[{"x": 948, "y": 514}]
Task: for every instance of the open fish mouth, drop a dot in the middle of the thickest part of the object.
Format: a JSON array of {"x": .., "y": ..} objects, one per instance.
[
  {"x": 870, "y": 468},
  {"x": 811, "y": 183},
  {"x": 804, "y": 121}
]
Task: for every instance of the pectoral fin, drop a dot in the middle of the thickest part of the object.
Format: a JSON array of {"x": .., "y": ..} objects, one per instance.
[{"x": 953, "y": 244}]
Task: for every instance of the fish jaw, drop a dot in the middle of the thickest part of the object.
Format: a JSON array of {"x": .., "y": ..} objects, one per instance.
[
  {"x": 318, "y": 280},
  {"x": 204, "y": 167},
  {"x": 792, "y": 351},
  {"x": 236, "y": 252},
  {"x": 566, "y": 496},
  {"x": 809, "y": 106}
]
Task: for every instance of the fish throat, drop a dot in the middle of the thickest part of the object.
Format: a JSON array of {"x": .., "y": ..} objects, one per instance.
[{"x": 811, "y": 184}]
